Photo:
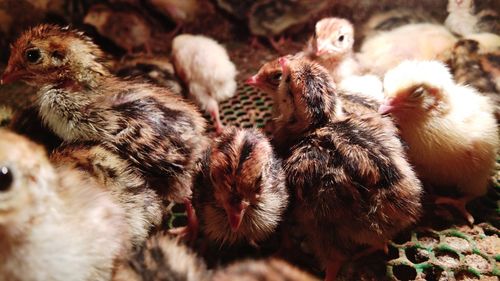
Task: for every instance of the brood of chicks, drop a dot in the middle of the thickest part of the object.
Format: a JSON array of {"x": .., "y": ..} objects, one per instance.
[{"x": 120, "y": 149}]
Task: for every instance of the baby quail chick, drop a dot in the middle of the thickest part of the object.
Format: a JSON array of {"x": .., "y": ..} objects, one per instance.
[
  {"x": 78, "y": 99},
  {"x": 352, "y": 183},
  {"x": 331, "y": 46},
  {"x": 55, "y": 223},
  {"x": 142, "y": 205},
  {"x": 206, "y": 68},
  {"x": 271, "y": 269},
  {"x": 240, "y": 194},
  {"x": 162, "y": 258},
  {"x": 127, "y": 28},
  {"x": 450, "y": 129}
]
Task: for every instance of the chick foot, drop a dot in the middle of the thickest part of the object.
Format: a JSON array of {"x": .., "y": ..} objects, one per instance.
[
  {"x": 459, "y": 204},
  {"x": 189, "y": 232},
  {"x": 214, "y": 113},
  {"x": 333, "y": 268}
]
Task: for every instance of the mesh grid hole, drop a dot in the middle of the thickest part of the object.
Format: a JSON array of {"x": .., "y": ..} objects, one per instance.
[
  {"x": 428, "y": 239},
  {"x": 458, "y": 243},
  {"x": 434, "y": 273},
  {"x": 447, "y": 258},
  {"x": 404, "y": 272},
  {"x": 477, "y": 262},
  {"x": 416, "y": 255},
  {"x": 465, "y": 275}
]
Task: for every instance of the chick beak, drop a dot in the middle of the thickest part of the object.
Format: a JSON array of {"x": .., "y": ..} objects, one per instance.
[
  {"x": 387, "y": 107},
  {"x": 11, "y": 75},
  {"x": 235, "y": 215},
  {"x": 252, "y": 81}
]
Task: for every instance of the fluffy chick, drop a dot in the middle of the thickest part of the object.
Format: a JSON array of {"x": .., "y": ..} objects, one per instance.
[
  {"x": 271, "y": 269},
  {"x": 206, "y": 68},
  {"x": 450, "y": 129},
  {"x": 159, "y": 133},
  {"x": 55, "y": 223},
  {"x": 240, "y": 194},
  {"x": 162, "y": 258},
  {"x": 142, "y": 205},
  {"x": 463, "y": 20},
  {"x": 127, "y": 28},
  {"x": 352, "y": 182},
  {"x": 387, "y": 49}
]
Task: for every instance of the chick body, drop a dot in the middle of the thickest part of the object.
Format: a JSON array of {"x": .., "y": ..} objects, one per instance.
[
  {"x": 45, "y": 211},
  {"x": 160, "y": 134},
  {"x": 351, "y": 179},
  {"x": 240, "y": 195},
  {"x": 206, "y": 68},
  {"x": 450, "y": 129},
  {"x": 463, "y": 20}
]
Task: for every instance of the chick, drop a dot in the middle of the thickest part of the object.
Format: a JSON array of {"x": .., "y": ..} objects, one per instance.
[
  {"x": 269, "y": 76},
  {"x": 450, "y": 129},
  {"x": 271, "y": 269},
  {"x": 127, "y": 28},
  {"x": 142, "y": 206},
  {"x": 386, "y": 50},
  {"x": 206, "y": 68},
  {"x": 56, "y": 224},
  {"x": 160, "y": 134},
  {"x": 239, "y": 194},
  {"x": 462, "y": 19},
  {"x": 352, "y": 182},
  {"x": 332, "y": 46},
  {"x": 180, "y": 11},
  {"x": 162, "y": 258}
]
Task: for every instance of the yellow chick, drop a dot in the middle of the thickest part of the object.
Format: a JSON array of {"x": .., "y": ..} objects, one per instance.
[{"x": 450, "y": 129}]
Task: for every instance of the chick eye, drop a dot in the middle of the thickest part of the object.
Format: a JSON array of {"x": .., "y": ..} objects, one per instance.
[
  {"x": 5, "y": 179},
  {"x": 418, "y": 92},
  {"x": 33, "y": 55},
  {"x": 341, "y": 38},
  {"x": 275, "y": 78}
]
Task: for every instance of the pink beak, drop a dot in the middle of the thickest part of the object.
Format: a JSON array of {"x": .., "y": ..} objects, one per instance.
[
  {"x": 235, "y": 215},
  {"x": 387, "y": 107},
  {"x": 252, "y": 80}
]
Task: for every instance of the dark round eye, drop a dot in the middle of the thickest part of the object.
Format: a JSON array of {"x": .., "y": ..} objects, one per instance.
[
  {"x": 341, "y": 38},
  {"x": 5, "y": 179},
  {"x": 33, "y": 55},
  {"x": 418, "y": 92},
  {"x": 276, "y": 78}
]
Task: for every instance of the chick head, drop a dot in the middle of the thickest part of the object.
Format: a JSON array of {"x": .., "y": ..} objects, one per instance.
[
  {"x": 49, "y": 54},
  {"x": 267, "y": 78},
  {"x": 25, "y": 176},
  {"x": 416, "y": 88},
  {"x": 239, "y": 166},
  {"x": 306, "y": 94},
  {"x": 333, "y": 37}
]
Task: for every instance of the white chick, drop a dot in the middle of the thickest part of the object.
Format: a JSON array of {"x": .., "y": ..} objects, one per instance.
[
  {"x": 204, "y": 65},
  {"x": 419, "y": 41},
  {"x": 55, "y": 223},
  {"x": 450, "y": 129}
]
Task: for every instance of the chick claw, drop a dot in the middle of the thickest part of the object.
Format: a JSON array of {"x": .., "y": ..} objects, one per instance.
[
  {"x": 189, "y": 232},
  {"x": 459, "y": 204}
]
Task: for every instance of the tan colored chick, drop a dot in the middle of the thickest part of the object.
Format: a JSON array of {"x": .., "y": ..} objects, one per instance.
[
  {"x": 127, "y": 28},
  {"x": 180, "y": 11},
  {"x": 160, "y": 134},
  {"x": 55, "y": 223},
  {"x": 450, "y": 129},
  {"x": 142, "y": 205},
  {"x": 332, "y": 47},
  {"x": 206, "y": 68},
  {"x": 162, "y": 258},
  {"x": 463, "y": 20},
  {"x": 240, "y": 194},
  {"x": 352, "y": 183},
  {"x": 386, "y": 50},
  {"x": 271, "y": 269}
]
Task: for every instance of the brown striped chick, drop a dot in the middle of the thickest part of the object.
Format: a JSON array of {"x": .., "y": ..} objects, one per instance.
[
  {"x": 162, "y": 258},
  {"x": 142, "y": 205},
  {"x": 158, "y": 132},
  {"x": 55, "y": 223},
  {"x": 206, "y": 68},
  {"x": 271, "y": 269},
  {"x": 127, "y": 28},
  {"x": 386, "y": 50},
  {"x": 240, "y": 194},
  {"x": 450, "y": 129},
  {"x": 353, "y": 184}
]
